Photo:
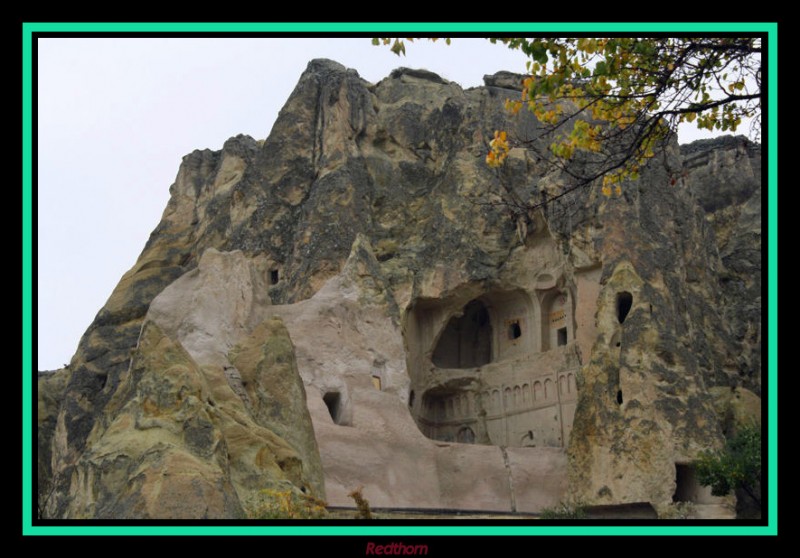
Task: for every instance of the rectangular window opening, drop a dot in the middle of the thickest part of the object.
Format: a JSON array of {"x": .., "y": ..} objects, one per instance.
[{"x": 686, "y": 486}]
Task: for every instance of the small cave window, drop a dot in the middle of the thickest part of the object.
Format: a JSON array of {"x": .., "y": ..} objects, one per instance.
[
  {"x": 624, "y": 303},
  {"x": 514, "y": 330},
  {"x": 274, "y": 277},
  {"x": 562, "y": 336},
  {"x": 376, "y": 382},
  {"x": 619, "y": 397},
  {"x": 333, "y": 400}
]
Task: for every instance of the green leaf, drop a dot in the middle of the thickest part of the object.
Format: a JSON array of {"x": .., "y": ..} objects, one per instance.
[
  {"x": 601, "y": 69},
  {"x": 539, "y": 52}
]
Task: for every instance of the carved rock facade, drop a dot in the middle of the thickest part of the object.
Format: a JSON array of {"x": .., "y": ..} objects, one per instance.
[{"x": 350, "y": 303}]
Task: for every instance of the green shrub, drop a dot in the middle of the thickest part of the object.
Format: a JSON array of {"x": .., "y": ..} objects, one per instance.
[{"x": 736, "y": 466}]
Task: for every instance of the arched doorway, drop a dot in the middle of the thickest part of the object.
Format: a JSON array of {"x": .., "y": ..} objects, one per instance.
[
  {"x": 465, "y": 435},
  {"x": 466, "y": 341},
  {"x": 556, "y": 316}
]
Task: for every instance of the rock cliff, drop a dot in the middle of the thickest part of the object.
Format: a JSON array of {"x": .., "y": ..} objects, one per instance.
[{"x": 351, "y": 302}]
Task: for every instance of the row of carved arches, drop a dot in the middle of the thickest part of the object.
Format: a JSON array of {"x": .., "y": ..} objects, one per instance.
[
  {"x": 520, "y": 397},
  {"x": 462, "y": 405}
]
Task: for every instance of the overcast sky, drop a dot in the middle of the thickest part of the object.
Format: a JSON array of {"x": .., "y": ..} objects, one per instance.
[{"x": 115, "y": 116}]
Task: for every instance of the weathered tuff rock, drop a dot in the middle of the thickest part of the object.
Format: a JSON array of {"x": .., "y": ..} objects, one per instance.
[
  {"x": 210, "y": 412},
  {"x": 454, "y": 353}
]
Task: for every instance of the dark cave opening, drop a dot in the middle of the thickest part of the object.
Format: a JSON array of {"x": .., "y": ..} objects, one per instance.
[
  {"x": 624, "y": 303},
  {"x": 466, "y": 341},
  {"x": 333, "y": 400}
]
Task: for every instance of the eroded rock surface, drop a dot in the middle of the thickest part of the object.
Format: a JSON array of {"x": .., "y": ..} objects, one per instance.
[{"x": 350, "y": 303}]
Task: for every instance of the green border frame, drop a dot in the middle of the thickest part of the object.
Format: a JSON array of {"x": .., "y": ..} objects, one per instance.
[{"x": 28, "y": 29}]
